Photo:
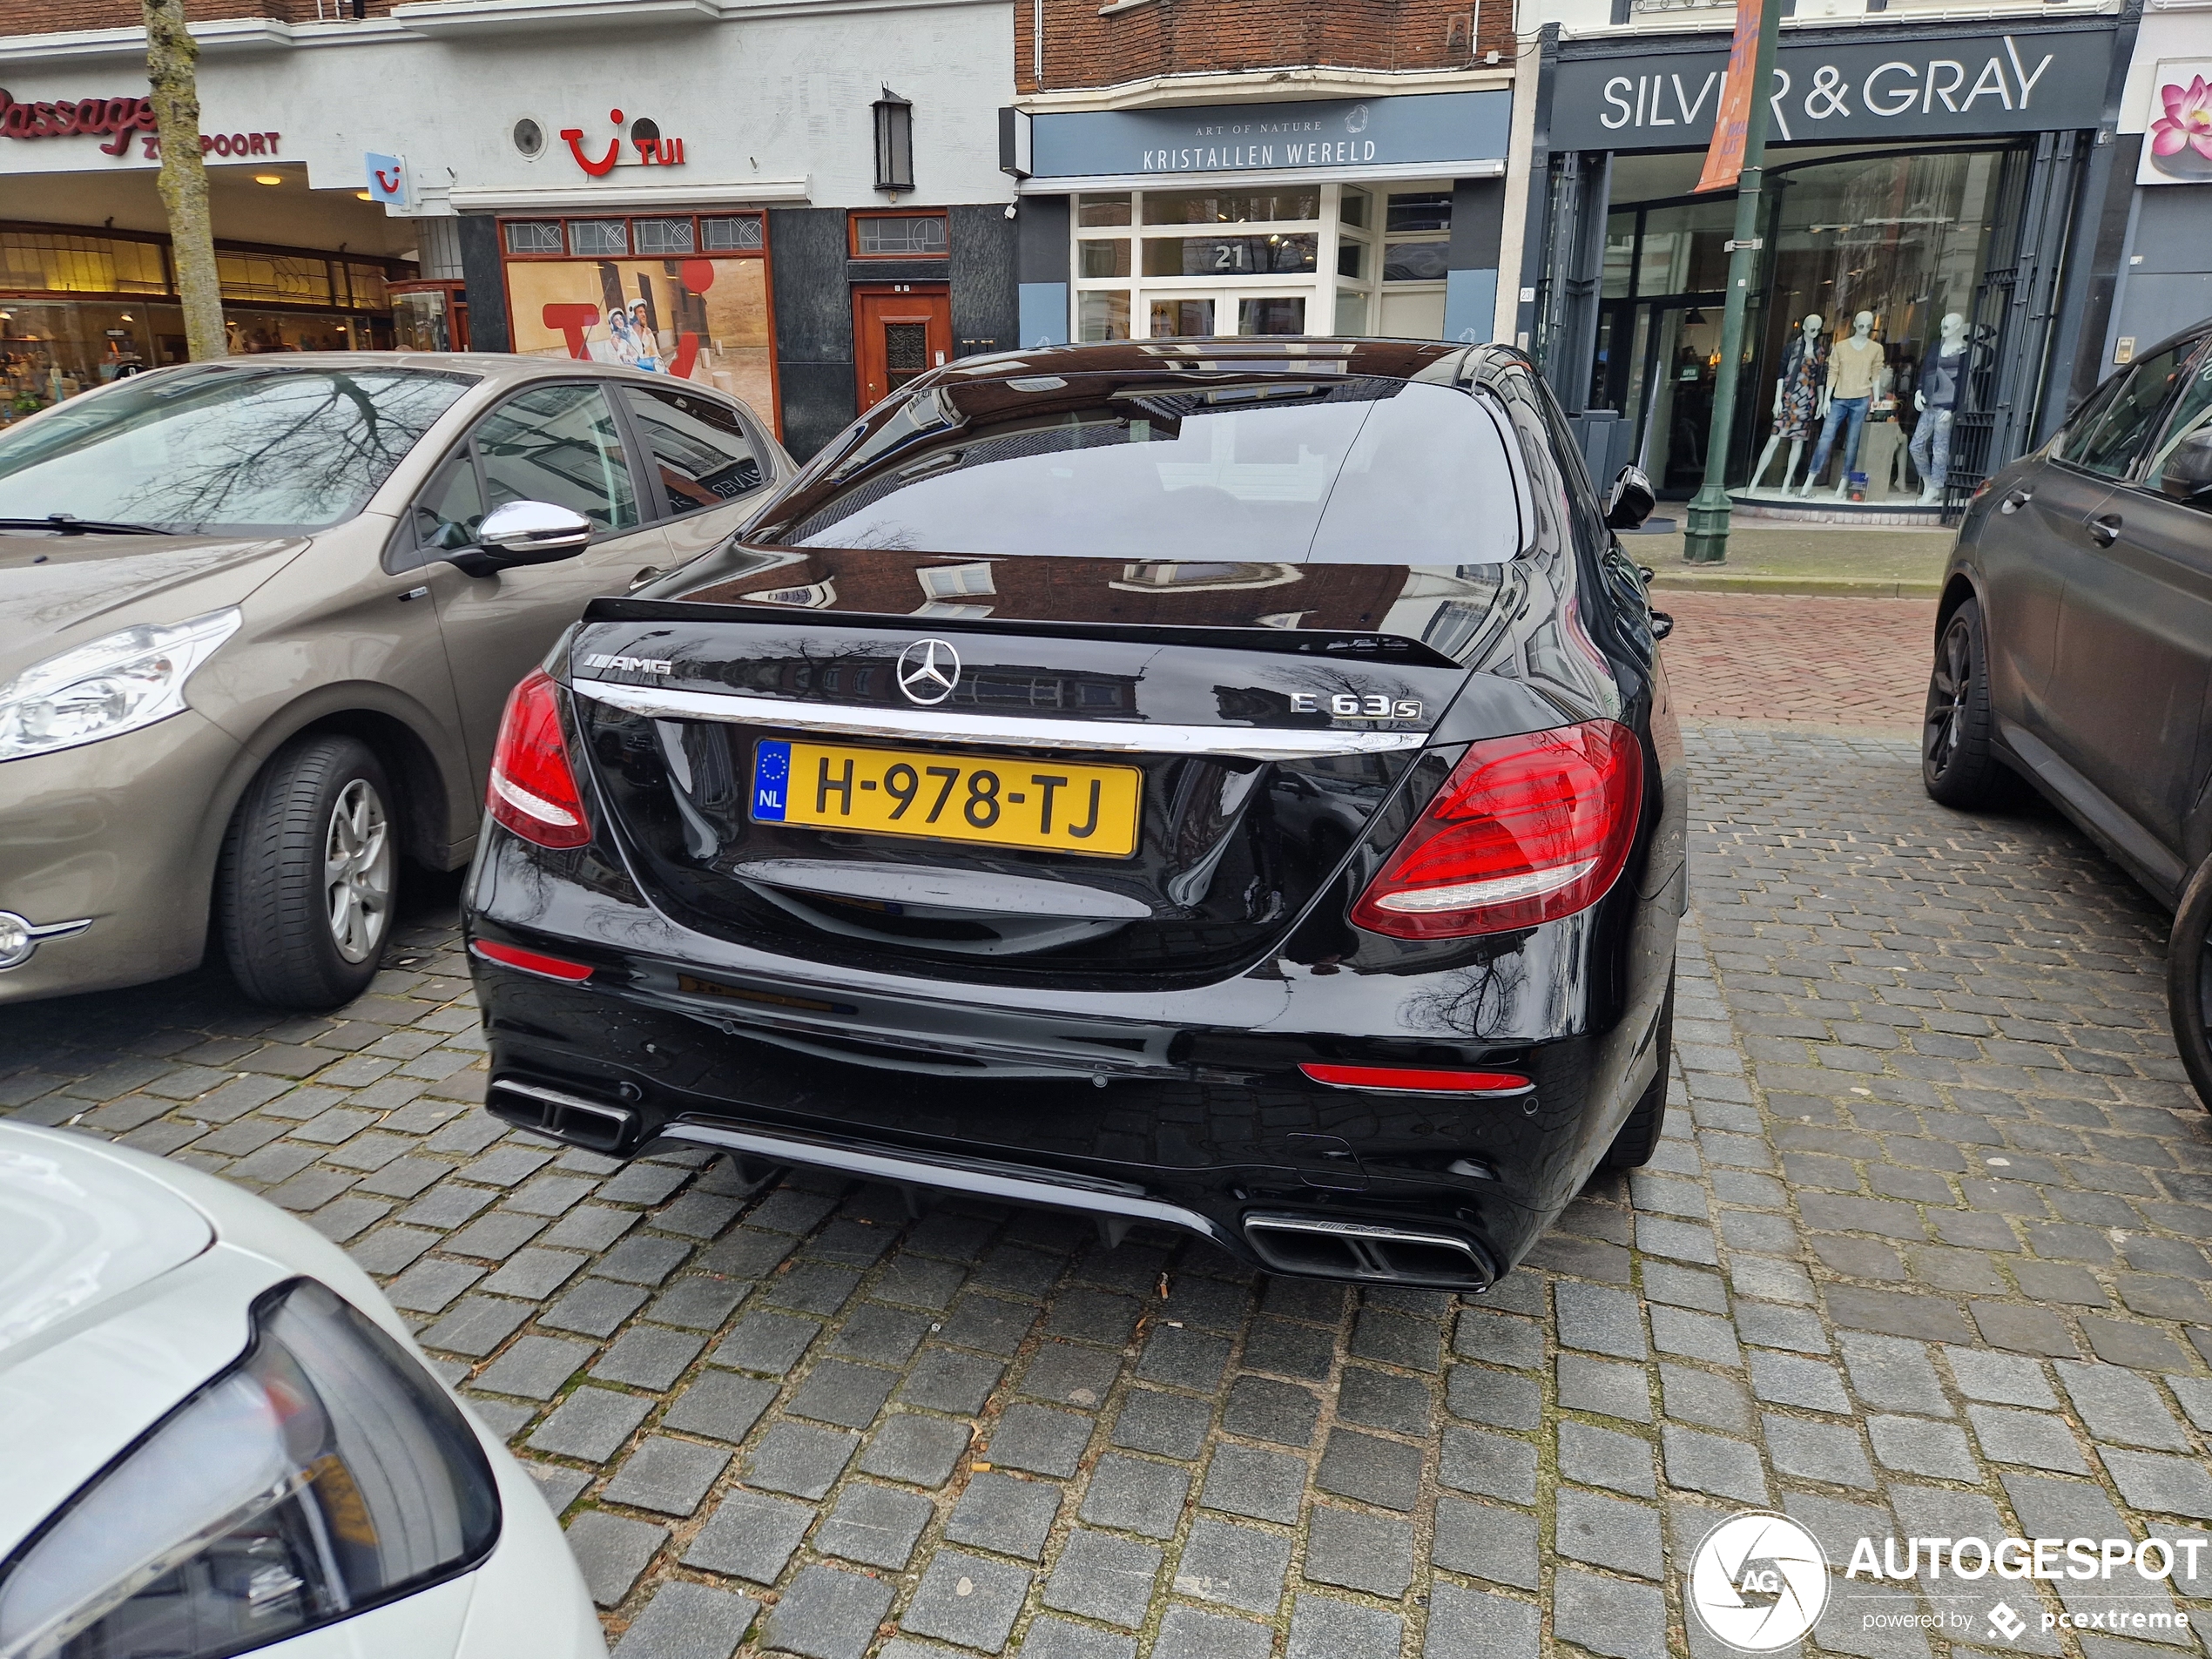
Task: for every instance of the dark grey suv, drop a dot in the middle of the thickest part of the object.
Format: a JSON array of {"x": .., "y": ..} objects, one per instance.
[{"x": 2074, "y": 646}]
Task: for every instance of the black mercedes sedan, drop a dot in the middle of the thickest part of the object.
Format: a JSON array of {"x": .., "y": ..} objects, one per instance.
[
  {"x": 1225, "y": 784},
  {"x": 2073, "y": 647}
]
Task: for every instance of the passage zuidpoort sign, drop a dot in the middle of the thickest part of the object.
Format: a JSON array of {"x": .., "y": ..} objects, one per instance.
[{"x": 1760, "y": 1582}]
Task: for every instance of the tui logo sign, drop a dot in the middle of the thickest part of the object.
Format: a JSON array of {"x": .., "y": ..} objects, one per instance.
[{"x": 646, "y": 146}]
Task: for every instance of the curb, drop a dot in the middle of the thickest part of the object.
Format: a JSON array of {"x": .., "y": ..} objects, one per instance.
[{"x": 1832, "y": 586}]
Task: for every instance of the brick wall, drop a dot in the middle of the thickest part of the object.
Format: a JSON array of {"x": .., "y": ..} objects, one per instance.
[
  {"x": 1198, "y": 37},
  {"x": 51, "y": 17}
]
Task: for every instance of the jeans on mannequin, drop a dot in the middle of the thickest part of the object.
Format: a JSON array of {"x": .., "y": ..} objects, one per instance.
[
  {"x": 1931, "y": 447},
  {"x": 1853, "y": 409}
]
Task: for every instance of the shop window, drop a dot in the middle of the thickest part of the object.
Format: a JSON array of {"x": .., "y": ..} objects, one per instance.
[
  {"x": 1229, "y": 256},
  {"x": 40, "y": 261},
  {"x": 663, "y": 236},
  {"x": 667, "y": 310},
  {"x": 598, "y": 238},
  {"x": 1231, "y": 206},
  {"x": 1285, "y": 315},
  {"x": 730, "y": 235},
  {"x": 899, "y": 236},
  {"x": 1415, "y": 261},
  {"x": 700, "y": 448},
  {"x": 1102, "y": 316},
  {"x": 1352, "y": 209},
  {"x": 1095, "y": 211},
  {"x": 1351, "y": 313},
  {"x": 1429, "y": 210},
  {"x": 533, "y": 236},
  {"x": 1182, "y": 319},
  {"x": 368, "y": 285},
  {"x": 1098, "y": 257},
  {"x": 1351, "y": 260}
]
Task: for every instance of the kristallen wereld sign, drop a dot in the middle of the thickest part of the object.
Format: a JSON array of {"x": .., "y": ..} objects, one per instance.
[
  {"x": 1265, "y": 140},
  {"x": 1863, "y": 90}
]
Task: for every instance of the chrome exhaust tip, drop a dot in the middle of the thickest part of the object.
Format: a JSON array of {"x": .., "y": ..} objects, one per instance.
[
  {"x": 592, "y": 1124},
  {"x": 1373, "y": 1252}
]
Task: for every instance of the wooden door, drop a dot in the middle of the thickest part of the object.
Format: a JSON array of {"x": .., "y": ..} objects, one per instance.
[{"x": 899, "y": 331}]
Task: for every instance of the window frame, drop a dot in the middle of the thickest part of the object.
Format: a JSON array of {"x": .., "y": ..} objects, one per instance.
[
  {"x": 640, "y": 446},
  {"x": 2197, "y": 362},
  {"x": 701, "y": 251},
  {"x": 853, "y": 231},
  {"x": 406, "y": 552}
]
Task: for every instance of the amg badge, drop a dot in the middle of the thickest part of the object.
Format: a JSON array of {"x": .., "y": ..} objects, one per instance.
[{"x": 631, "y": 664}]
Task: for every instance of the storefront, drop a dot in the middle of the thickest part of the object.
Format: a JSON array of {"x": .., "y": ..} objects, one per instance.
[
  {"x": 1919, "y": 235},
  {"x": 2162, "y": 278},
  {"x": 1346, "y": 216},
  {"x": 801, "y": 206}
]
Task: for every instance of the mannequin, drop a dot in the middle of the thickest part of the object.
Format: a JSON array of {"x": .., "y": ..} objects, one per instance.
[
  {"x": 1851, "y": 369},
  {"x": 1941, "y": 375},
  {"x": 1796, "y": 392}
]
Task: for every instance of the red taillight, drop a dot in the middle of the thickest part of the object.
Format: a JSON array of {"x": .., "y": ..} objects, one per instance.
[
  {"x": 533, "y": 791},
  {"x": 1417, "y": 1080},
  {"x": 1526, "y": 830},
  {"x": 530, "y": 962}
]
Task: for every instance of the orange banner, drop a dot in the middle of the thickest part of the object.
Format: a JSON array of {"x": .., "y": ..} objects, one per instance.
[{"x": 1724, "y": 156}]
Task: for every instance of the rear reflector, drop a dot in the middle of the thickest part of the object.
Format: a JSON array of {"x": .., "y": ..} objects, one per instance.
[
  {"x": 530, "y": 962},
  {"x": 1414, "y": 1080},
  {"x": 1526, "y": 830}
]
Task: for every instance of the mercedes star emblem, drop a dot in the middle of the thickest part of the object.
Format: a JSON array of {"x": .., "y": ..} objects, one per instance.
[{"x": 928, "y": 670}]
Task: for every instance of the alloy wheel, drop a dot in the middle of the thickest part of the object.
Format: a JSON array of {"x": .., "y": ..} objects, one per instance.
[
  {"x": 357, "y": 870},
  {"x": 1948, "y": 689}
]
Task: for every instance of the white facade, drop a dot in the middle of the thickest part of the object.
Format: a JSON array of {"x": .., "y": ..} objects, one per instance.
[{"x": 772, "y": 102}]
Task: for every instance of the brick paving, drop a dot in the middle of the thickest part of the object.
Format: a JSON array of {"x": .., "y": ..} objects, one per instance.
[
  {"x": 1924, "y": 1252},
  {"x": 1855, "y": 662}
]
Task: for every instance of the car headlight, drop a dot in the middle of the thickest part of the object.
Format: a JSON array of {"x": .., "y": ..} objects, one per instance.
[
  {"x": 323, "y": 1474},
  {"x": 112, "y": 685}
]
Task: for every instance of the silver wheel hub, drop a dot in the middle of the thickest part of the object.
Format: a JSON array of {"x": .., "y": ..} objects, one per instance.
[{"x": 357, "y": 872}]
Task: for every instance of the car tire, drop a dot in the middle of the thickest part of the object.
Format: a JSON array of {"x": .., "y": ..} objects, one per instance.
[
  {"x": 1639, "y": 1137},
  {"x": 2188, "y": 980},
  {"x": 309, "y": 873},
  {"x": 1959, "y": 764}
]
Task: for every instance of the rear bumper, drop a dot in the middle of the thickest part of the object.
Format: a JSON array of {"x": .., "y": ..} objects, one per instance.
[{"x": 1447, "y": 1191}]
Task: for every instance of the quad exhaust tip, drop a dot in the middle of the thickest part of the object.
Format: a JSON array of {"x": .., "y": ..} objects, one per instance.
[
  {"x": 590, "y": 1124},
  {"x": 1370, "y": 1251}
]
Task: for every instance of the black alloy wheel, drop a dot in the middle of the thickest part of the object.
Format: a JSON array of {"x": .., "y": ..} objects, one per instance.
[
  {"x": 2188, "y": 980},
  {"x": 1638, "y": 1139},
  {"x": 1958, "y": 764}
]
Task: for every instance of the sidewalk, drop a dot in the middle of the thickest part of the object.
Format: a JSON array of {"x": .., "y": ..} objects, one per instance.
[{"x": 1813, "y": 558}]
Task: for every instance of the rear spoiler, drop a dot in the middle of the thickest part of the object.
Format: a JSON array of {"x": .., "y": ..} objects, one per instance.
[{"x": 1338, "y": 645}]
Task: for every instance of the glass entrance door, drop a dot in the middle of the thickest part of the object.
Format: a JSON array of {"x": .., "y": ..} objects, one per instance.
[{"x": 1673, "y": 361}]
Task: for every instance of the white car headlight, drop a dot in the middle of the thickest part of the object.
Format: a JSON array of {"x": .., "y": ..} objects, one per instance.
[
  {"x": 322, "y": 1475},
  {"x": 113, "y": 685}
]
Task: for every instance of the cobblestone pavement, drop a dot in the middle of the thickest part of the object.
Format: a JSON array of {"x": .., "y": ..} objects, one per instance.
[
  {"x": 1922, "y": 1254},
  {"x": 1856, "y": 662}
]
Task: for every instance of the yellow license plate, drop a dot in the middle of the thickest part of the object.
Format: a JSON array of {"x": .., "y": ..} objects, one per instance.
[{"x": 1042, "y": 804}]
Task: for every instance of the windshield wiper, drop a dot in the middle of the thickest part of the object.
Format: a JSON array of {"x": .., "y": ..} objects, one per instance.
[{"x": 70, "y": 524}]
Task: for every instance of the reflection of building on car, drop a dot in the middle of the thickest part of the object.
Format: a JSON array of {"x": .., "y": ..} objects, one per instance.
[
  {"x": 2073, "y": 646},
  {"x": 1232, "y": 789},
  {"x": 220, "y": 1438},
  {"x": 259, "y": 622}
]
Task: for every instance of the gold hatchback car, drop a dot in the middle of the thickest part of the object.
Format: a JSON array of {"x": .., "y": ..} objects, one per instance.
[{"x": 259, "y": 620}]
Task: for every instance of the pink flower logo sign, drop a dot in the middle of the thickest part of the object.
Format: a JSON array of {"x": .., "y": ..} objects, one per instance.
[{"x": 2181, "y": 128}]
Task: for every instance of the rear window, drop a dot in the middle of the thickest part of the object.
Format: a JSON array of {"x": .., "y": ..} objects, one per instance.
[
  {"x": 1359, "y": 471},
  {"x": 259, "y": 450}
]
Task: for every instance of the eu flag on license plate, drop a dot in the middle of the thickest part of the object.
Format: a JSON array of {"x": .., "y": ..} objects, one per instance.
[{"x": 771, "y": 780}]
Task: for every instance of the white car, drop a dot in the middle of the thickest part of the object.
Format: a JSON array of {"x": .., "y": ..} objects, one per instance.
[{"x": 216, "y": 1437}]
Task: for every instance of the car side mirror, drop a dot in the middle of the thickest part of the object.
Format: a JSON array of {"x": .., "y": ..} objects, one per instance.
[
  {"x": 1631, "y": 500},
  {"x": 1662, "y": 624},
  {"x": 523, "y": 532},
  {"x": 2186, "y": 475}
]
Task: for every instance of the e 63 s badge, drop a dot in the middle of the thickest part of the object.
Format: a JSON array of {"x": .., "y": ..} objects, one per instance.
[{"x": 1349, "y": 705}]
